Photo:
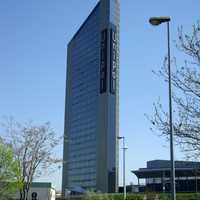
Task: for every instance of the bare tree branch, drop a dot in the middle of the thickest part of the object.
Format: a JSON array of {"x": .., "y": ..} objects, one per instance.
[
  {"x": 33, "y": 147},
  {"x": 186, "y": 96}
]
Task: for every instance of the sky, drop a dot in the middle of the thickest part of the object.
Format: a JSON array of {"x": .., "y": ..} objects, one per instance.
[{"x": 33, "y": 47}]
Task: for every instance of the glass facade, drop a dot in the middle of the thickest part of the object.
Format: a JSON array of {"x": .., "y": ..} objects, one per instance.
[
  {"x": 83, "y": 104},
  {"x": 92, "y": 86}
]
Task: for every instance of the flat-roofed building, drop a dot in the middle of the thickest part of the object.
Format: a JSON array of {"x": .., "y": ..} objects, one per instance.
[
  {"x": 157, "y": 176},
  {"x": 40, "y": 190}
]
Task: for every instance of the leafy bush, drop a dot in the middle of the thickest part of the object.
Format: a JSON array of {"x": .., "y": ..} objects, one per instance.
[
  {"x": 149, "y": 195},
  {"x": 181, "y": 196},
  {"x": 164, "y": 196},
  {"x": 135, "y": 197},
  {"x": 97, "y": 196},
  {"x": 188, "y": 196},
  {"x": 101, "y": 196}
]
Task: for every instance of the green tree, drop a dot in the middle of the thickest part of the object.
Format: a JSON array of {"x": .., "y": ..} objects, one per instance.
[
  {"x": 34, "y": 149},
  {"x": 9, "y": 172}
]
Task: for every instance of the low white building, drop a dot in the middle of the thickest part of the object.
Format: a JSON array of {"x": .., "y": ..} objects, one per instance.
[{"x": 41, "y": 191}]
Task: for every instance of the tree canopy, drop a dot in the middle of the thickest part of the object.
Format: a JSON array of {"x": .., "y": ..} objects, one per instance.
[
  {"x": 33, "y": 147},
  {"x": 9, "y": 172}
]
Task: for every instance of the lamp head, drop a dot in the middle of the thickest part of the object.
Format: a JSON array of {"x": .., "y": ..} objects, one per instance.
[{"x": 155, "y": 21}]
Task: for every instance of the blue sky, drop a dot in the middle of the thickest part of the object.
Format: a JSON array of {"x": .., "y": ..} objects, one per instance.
[{"x": 33, "y": 41}]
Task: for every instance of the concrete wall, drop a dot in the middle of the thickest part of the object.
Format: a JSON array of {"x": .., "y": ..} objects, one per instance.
[
  {"x": 42, "y": 194},
  {"x": 108, "y": 114}
]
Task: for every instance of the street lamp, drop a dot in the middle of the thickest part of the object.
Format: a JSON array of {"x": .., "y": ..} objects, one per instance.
[
  {"x": 155, "y": 21},
  {"x": 124, "y": 164}
]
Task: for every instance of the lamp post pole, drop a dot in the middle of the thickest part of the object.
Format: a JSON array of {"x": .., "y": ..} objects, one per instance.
[
  {"x": 157, "y": 21},
  {"x": 124, "y": 165},
  {"x": 173, "y": 183}
]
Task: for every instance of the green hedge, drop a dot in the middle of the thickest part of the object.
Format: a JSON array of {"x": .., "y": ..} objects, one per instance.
[
  {"x": 181, "y": 196},
  {"x": 188, "y": 196},
  {"x": 100, "y": 196},
  {"x": 129, "y": 197},
  {"x": 150, "y": 196}
]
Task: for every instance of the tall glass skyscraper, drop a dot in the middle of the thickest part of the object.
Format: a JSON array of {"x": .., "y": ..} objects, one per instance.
[{"x": 92, "y": 100}]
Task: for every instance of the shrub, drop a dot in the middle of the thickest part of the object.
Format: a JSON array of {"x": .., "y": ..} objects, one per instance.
[
  {"x": 188, "y": 196},
  {"x": 103, "y": 196},
  {"x": 97, "y": 196}
]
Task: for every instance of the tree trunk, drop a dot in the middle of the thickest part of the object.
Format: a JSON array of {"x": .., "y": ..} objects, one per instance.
[
  {"x": 23, "y": 194},
  {"x": 20, "y": 195}
]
